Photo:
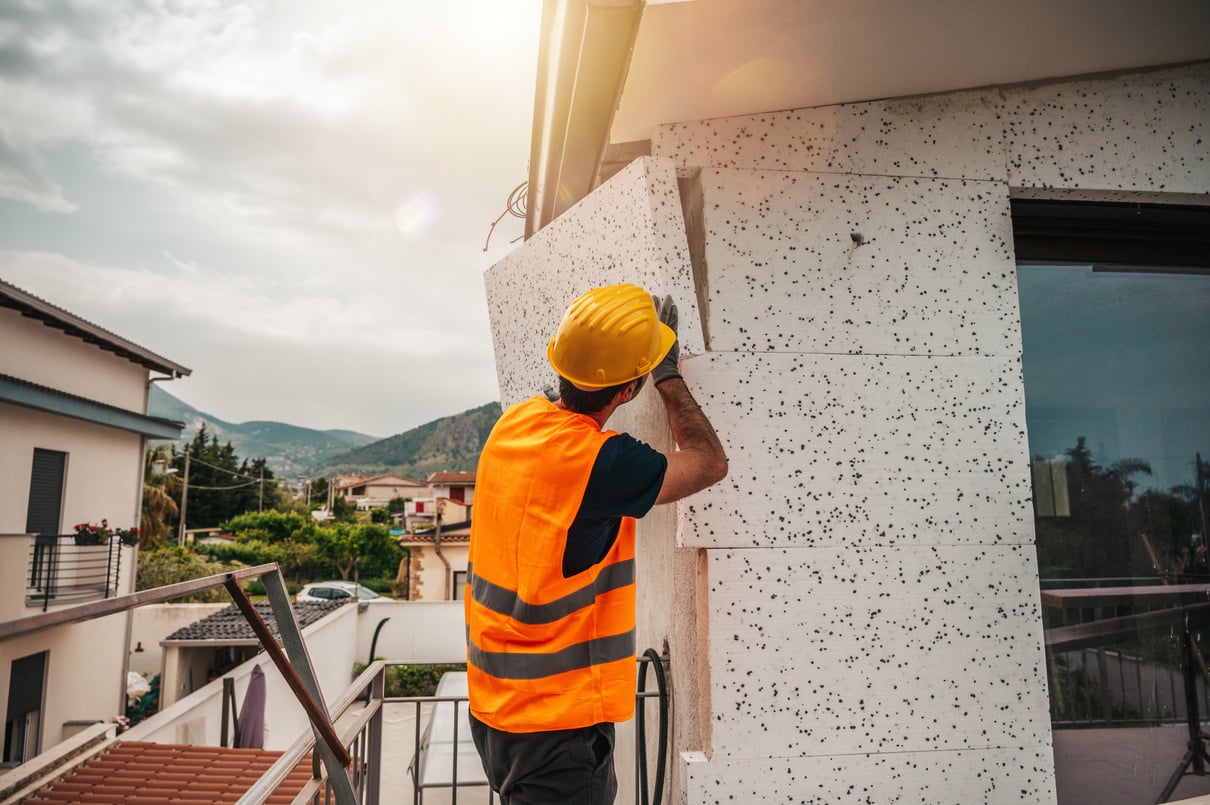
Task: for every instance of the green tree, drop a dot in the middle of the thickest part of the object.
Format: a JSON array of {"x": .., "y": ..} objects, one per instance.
[
  {"x": 271, "y": 526},
  {"x": 172, "y": 564},
  {"x": 319, "y": 491},
  {"x": 220, "y": 486},
  {"x": 1097, "y": 539},
  {"x": 344, "y": 511},
  {"x": 368, "y": 549},
  {"x": 160, "y": 491}
]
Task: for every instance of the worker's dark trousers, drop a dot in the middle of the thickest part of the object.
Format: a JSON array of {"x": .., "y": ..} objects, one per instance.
[{"x": 545, "y": 768}]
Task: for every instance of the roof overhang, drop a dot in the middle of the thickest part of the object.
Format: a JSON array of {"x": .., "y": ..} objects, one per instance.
[
  {"x": 42, "y": 398},
  {"x": 32, "y": 307},
  {"x": 609, "y": 73}
]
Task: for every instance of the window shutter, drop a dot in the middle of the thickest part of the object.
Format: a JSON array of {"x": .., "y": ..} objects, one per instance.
[
  {"x": 45, "y": 492},
  {"x": 25, "y": 685}
]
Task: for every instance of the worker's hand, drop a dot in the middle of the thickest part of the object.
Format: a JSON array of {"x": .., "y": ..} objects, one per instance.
[{"x": 667, "y": 368}]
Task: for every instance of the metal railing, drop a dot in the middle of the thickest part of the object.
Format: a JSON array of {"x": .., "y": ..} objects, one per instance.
[
  {"x": 1123, "y": 666},
  {"x": 62, "y": 571},
  {"x": 292, "y": 661},
  {"x": 359, "y": 714},
  {"x": 345, "y": 747}
]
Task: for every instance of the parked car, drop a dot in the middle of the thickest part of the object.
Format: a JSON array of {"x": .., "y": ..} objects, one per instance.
[{"x": 334, "y": 591}]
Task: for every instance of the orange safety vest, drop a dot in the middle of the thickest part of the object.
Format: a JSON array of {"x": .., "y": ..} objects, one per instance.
[{"x": 545, "y": 652}]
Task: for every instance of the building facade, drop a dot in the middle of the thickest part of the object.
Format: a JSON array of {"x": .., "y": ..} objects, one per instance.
[
  {"x": 854, "y": 611},
  {"x": 73, "y": 431}
]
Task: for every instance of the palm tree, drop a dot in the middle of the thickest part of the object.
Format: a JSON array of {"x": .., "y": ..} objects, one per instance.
[{"x": 160, "y": 490}]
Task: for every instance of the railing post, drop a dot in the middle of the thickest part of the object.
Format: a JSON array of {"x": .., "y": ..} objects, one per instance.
[
  {"x": 374, "y": 749},
  {"x": 299, "y": 675}
]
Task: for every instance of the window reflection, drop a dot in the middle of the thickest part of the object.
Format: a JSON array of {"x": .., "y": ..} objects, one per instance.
[
  {"x": 1117, "y": 390},
  {"x": 1117, "y": 384}
]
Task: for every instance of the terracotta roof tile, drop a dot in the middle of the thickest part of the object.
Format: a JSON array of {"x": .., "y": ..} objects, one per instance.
[
  {"x": 455, "y": 478},
  {"x": 429, "y": 539},
  {"x": 143, "y": 773}
]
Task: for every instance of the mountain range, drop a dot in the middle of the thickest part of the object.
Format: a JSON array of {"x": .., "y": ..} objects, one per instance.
[{"x": 451, "y": 443}]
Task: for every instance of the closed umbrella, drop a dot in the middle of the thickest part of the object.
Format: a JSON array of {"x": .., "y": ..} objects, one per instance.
[{"x": 252, "y": 713}]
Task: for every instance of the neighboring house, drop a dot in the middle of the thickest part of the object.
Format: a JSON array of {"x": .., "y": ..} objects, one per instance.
[
  {"x": 436, "y": 533},
  {"x": 203, "y": 651},
  {"x": 436, "y": 563},
  {"x": 457, "y": 486},
  {"x": 379, "y": 490},
  {"x": 73, "y": 430},
  {"x": 421, "y": 514},
  {"x": 837, "y": 196}
]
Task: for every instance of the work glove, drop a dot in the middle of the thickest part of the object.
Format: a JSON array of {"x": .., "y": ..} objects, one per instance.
[{"x": 666, "y": 310}]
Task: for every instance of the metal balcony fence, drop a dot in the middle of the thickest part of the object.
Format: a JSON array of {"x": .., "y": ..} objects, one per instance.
[
  {"x": 1121, "y": 662},
  {"x": 64, "y": 572},
  {"x": 345, "y": 748},
  {"x": 443, "y": 759}
]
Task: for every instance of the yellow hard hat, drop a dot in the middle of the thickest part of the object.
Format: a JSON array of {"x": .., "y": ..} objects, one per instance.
[{"x": 608, "y": 336}]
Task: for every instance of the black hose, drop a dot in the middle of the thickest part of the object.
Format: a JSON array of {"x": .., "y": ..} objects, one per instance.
[
  {"x": 373, "y": 646},
  {"x": 640, "y": 724}
]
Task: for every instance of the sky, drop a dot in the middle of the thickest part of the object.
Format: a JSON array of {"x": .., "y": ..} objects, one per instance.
[
  {"x": 290, "y": 198},
  {"x": 1120, "y": 359}
]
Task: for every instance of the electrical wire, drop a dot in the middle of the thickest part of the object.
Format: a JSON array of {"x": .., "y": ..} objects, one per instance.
[
  {"x": 193, "y": 488},
  {"x": 516, "y": 206},
  {"x": 196, "y": 460}
]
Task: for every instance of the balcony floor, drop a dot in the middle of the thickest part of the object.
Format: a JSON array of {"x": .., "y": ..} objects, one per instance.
[{"x": 1121, "y": 766}]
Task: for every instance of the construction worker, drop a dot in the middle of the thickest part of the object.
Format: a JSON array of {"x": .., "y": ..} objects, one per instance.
[{"x": 550, "y": 597}]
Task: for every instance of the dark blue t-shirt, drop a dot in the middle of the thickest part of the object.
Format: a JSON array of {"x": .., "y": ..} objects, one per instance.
[{"x": 624, "y": 482}]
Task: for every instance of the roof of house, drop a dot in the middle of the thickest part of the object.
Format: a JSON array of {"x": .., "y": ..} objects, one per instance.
[
  {"x": 454, "y": 533},
  {"x": 144, "y": 773},
  {"x": 229, "y": 625},
  {"x": 453, "y": 478},
  {"x": 52, "y": 316},
  {"x": 419, "y": 540},
  {"x": 384, "y": 479}
]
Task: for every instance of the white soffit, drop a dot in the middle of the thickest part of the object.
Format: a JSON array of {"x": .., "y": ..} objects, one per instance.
[{"x": 703, "y": 59}]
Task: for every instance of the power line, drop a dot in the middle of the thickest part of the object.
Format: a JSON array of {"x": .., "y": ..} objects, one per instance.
[
  {"x": 197, "y": 460},
  {"x": 193, "y": 488}
]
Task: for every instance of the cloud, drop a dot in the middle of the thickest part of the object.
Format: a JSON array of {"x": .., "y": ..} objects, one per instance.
[
  {"x": 307, "y": 183},
  {"x": 24, "y": 178}
]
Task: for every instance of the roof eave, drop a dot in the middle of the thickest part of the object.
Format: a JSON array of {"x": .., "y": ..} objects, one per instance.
[{"x": 583, "y": 59}]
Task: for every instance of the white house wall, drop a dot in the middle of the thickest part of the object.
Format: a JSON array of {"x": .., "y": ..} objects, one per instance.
[
  {"x": 865, "y": 598},
  {"x": 430, "y": 579},
  {"x": 82, "y": 669},
  {"x": 49, "y": 357},
  {"x": 104, "y": 468}
]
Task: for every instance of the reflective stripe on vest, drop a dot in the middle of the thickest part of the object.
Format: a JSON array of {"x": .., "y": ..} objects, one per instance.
[
  {"x": 509, "y": 665},
  {"x": 505, "y": 602}
]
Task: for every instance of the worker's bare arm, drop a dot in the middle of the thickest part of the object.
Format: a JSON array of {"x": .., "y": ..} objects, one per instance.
[{"x": 700, "y": 460}]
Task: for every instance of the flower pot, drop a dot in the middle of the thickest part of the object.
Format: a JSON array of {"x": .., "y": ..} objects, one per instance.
[
  {"x": 87, "y": 539},
  {"x": 130, "y": 539}
]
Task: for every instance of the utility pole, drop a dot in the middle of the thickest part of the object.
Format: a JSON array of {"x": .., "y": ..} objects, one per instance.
[
  {"x": 180, "y": 539},
  {"x": 260, "y": 496}
]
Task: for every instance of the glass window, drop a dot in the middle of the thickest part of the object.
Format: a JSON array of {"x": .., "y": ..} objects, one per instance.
[{"x": 1116, "y": 364}]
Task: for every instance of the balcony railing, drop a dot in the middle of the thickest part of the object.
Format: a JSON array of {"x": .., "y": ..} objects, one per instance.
[
  {"x": 345, "y": 748},
  {"x": 443, "y": 758},
  {"x": 62, "y": 572},
  {"x": 1115, "y": 658}
]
